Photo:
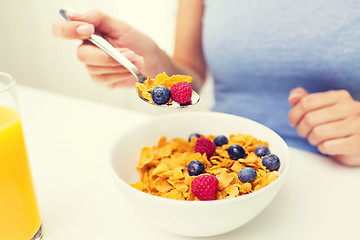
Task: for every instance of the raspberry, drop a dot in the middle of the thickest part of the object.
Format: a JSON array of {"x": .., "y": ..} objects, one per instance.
[
  {"x": 204, "y": 145},
  {"x": 181, "y": 92},
  {"x": 205, "y": 187}
]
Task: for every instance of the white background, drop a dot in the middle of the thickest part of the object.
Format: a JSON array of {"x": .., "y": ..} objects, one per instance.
[{"x": 30, "y": 52}]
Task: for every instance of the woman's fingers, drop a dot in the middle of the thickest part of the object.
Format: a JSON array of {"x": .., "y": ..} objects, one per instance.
[
  {"x": 114, "y": 80},
  {"x": 82, "y": 25},
  {"x": 104, "y": 69},
  {"x": 103, "y": 23},
  {"x": 351, "y": 161},
  {"x": 125, "y": 83},
  {"x": 333, "y": 130},
  {"x": 341, "y": 146},
  {"x": 315, "y": 101},
  {"x": 344, "y": 150},
  {"x": 325, "y": 115},
  {"x": 320, "y": 116},
  {"x": 91, "y": 55},
  {"x": 72, "y": 30},
  {"x": 110, "y": 73},
  {"x": 100, "y": 70}
]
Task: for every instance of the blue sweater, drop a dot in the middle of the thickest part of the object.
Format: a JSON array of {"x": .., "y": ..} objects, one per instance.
[{"x": 258, "y": 50}]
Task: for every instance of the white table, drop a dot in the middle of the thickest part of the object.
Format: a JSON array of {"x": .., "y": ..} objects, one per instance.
[{"x": 69, "y": 142}]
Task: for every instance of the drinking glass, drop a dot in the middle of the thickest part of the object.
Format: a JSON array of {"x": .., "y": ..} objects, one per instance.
[{"x": 19, "y": 212}]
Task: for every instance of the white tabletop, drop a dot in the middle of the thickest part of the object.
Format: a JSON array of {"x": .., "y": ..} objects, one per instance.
[{"x": 69, "y": 142}]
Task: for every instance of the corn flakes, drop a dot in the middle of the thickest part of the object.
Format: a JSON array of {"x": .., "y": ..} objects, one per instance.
[{"x": 163, "y": 168}]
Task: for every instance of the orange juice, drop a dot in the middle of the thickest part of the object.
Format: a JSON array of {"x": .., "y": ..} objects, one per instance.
[{"x": 19, "y": 212}]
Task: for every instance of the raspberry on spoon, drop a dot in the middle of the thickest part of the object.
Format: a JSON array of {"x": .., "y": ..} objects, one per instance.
[{"x": 181, "y": 92}]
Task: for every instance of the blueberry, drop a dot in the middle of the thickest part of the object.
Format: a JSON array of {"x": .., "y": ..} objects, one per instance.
[
  {"x": 262, "y": 150},
  {"x": 160, "y": 95},
  {"x": 194, "y": 135},
  {"x": 271, "y": 162},
  {"x": 220, "y": 140},
  {"x": 236, "y": 151},
  {"x": 195, "y": 168},
  {"x": 247, "y": 174}
]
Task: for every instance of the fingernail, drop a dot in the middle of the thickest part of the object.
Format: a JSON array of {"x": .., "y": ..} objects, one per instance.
[
  {"x": 294, "y": 97},
  {"x": 75, "y": 14},
  {"x": 140, "y": 61},
  {"x": 129, "y": 54},
  {"x": 85, "y": 29},
  {"x": 139, "y": 58}
]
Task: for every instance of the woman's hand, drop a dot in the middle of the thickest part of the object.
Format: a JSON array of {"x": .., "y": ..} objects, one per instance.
[
  {"x": 137, "y": 47},
  {"x": 329, "y": 120}
]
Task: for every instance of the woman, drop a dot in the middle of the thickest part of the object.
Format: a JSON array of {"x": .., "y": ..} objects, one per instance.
[{"x": 293, "y": 66}]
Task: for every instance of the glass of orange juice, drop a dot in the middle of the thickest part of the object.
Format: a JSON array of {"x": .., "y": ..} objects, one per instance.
[{"x": 19, "y": 212}]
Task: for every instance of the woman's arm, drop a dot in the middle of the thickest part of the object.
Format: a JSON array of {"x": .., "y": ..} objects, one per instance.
[
  {"x": 139, "y": 48},
  {"x": 188, "y": 52}
]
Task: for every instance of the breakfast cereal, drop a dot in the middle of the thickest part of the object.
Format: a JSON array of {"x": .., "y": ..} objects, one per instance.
[{"x": 164, "y": 168}]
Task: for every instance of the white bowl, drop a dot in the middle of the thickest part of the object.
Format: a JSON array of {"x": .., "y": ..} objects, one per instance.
[{"x": 193, "y": 218}]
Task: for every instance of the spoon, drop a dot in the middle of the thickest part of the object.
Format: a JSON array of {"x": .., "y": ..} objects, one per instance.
[{"x": 120, "y": 58}]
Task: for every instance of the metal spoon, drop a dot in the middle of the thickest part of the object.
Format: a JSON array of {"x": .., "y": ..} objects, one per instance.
[{"x": 120, "y": 58}]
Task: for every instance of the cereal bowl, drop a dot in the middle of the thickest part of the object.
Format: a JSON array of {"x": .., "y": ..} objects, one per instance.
[{"x": 193, "y": 218}]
